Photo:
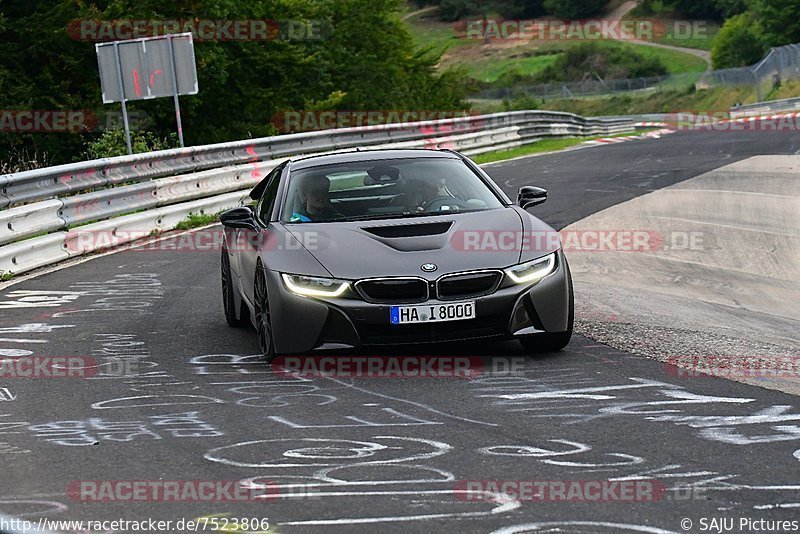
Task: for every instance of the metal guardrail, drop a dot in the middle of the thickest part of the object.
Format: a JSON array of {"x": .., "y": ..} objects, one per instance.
[
  {"x": 770, "y": 106},
  {"x": 67, "y": 179},
  {"x": 129, "y": 197}
]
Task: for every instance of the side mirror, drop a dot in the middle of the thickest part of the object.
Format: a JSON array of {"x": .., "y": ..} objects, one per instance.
[
  {"x": 241, "y": 217},
  {"x": 530, "y": 196}
]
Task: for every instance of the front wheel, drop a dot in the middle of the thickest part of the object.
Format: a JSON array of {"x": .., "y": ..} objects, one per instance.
[
  {"x": 266, "y": 341},
  {"x": 228, "y": 297},
  {"x": 553, "y": 341}
]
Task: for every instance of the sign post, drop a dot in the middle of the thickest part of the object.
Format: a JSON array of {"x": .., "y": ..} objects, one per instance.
[
  {"x": 124, "y": 107},
  {"x": 175, "y": 91},
  {"x": 152, "y": 67}
]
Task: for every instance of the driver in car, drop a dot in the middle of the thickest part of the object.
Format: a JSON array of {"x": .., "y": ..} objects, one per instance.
[
  {"x": 315, "y": 194},
  {"x": 437, "y": 197}
]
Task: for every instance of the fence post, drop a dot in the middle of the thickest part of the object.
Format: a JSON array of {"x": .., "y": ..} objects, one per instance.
[{"x": 759, "y": 96}]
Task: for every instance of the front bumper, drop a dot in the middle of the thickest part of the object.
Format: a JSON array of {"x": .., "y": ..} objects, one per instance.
[{"x": 302, "y": 324}]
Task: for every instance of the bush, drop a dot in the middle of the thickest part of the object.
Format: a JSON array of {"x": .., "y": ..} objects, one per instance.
[
  {"x": 600, "y": 60},
  {"x": 112, "y": 143},
  {"x": 452, "y": 10},
  {"x": 20, "y": 159},
  {"x": 738, "y": 44}
]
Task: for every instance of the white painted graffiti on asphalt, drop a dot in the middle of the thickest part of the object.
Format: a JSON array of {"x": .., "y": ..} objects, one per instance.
[
  {"x": 663, "y": 402},
  {"x": 318, "y": 407},
  {"x": 135, "y": 293},
  {"x": 120, "y": 356},
  {"x": 353, "y": 470},
  {"x": 24, "y": 298},
  {"x": 26, "y": 330},
  {"x": 92, "y": 431},
  {"x": 6, "y": 448}
]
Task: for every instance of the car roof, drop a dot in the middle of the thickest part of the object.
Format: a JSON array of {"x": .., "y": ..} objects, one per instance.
[{"x": 369, "y": 155}]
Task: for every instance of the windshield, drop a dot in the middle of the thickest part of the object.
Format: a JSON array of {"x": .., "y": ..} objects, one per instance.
[{"x": 385, "y": 189}]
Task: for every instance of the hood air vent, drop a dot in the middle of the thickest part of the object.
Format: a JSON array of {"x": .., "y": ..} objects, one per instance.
[{"x": 410, "y": 230}]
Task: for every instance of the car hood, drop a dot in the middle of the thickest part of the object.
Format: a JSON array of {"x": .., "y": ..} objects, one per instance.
[{"x": 399, "y": 247}]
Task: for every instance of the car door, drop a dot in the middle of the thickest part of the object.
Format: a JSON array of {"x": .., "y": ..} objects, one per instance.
[{"x": 250, "y": 242}]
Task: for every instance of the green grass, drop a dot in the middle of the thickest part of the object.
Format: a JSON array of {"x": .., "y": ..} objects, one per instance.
[
  {"x": 488, "y": 63},
  {"x": 545, "y": 145},
  {"x": 489, "y": 69},
  {"x": 675, "y": 62},
  {"x": 527, "y": 60},
  {"x": 196, "y": 220},
  {"x": 715, "y": 99},
  {"x": 434, "y": 34},
  {"x": 666, "y": 101},
  {"x": 788, "y": 89},
  {"x": 700, "y": 43},
  {"x": 5, "y": 277}
]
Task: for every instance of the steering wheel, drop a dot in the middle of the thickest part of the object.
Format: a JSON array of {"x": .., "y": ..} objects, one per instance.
[
  {"x": 436, "y": 204},
  {"x": 398, "y": 200}
]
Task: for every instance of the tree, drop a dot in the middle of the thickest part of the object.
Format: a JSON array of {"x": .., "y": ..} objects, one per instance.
[
  {"x": 574, "y": 9},
  {"x": 729, "y": 8},
  {"x": 452, "y": 10},
  {"x": 780, "y": 20},
  {"x": 364, "y": 53},
  {"x": 699, "y": 9},
  {"x": 738, "y": 43}
]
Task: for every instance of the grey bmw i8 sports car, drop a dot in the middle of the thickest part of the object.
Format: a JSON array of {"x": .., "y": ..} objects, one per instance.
[{"x": 386, "y": 247}]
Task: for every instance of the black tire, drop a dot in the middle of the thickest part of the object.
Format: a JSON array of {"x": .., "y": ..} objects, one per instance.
[
  {"x": 228, "y": 298},
  {"x": 263, "y": 318},
  {"x": 553, "y": 342}
]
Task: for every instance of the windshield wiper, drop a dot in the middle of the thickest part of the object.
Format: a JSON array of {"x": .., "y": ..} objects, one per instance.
[{"x": 404, "y": 215}]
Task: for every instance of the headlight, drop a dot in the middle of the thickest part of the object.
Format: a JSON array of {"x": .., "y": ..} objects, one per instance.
[
  {"x": 312, "y": 286},
  {"x": 532, "y": 271}
]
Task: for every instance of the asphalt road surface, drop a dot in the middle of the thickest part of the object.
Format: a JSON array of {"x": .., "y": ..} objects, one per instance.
[{"x": 386, "y": 454}]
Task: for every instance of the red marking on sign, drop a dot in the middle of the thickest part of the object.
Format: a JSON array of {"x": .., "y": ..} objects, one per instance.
[
  {"x": 136, "y": 83},
  {"x": 152, "y": 76}
]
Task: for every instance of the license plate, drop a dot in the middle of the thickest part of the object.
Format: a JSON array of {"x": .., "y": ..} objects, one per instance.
[{"x": 432, "y": 313}]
